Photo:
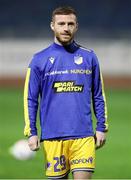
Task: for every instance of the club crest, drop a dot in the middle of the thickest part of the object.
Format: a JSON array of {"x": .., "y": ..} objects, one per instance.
[{"x": 78, "y": 59}]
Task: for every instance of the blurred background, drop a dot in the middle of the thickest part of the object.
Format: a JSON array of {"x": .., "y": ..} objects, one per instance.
[{"x": 105, "y": 27}]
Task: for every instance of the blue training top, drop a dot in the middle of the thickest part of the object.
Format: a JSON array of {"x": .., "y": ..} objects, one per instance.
[{"x": 67, "y": 79}]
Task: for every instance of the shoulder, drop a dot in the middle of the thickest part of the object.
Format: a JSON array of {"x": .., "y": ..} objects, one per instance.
[
  {"x": 40, "y": 56},
  {"x": 89, "y": 53},
  {"x": 86, "y": 50},
  {"x": 42, "y": 52}
]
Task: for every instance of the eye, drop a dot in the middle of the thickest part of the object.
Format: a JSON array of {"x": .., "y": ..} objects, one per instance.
[
  {"x": 61, "y": 23},
  {"x": 71, "y": 24}
]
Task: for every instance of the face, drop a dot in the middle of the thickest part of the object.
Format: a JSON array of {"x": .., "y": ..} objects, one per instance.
[{"x": 64, "y": 27}]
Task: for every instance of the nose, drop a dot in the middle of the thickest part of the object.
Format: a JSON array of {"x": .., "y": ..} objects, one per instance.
[{"x": 66, "y": 28}]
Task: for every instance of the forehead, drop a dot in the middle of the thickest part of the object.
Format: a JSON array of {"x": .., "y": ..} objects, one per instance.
[{"x": 65, "y": 18}]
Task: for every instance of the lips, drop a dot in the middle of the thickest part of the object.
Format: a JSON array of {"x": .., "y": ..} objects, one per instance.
[{"x": 65, "y": 34}]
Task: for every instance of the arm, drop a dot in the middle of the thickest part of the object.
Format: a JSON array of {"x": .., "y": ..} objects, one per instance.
[
  {"x": 99, "y": 104},
  {"x": 31, "y": 94}
]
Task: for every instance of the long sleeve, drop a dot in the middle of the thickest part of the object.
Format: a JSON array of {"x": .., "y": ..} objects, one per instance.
[
  {"x": 98, "y": 97},
  {"x": 31, "y": 94}
]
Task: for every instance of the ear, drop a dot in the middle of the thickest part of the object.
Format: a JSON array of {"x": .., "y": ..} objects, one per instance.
[{"x": 52, "y": 25}]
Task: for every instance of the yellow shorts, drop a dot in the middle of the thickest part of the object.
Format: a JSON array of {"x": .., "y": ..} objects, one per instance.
[{"x": 65, "y": 155}]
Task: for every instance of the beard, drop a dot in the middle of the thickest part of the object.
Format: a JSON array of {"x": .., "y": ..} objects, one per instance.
[{"x": 64, "y": 39}]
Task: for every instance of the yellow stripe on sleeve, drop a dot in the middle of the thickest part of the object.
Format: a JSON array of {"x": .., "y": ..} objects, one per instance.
[
  {"x": 26, "y": 111},
  {"x": 105, "y": 106}
]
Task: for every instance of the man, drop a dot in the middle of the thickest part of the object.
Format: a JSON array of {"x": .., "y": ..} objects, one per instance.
[{"x": 65, "y": 76}]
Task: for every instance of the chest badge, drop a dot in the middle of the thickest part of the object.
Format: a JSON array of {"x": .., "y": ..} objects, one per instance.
[{"x": 78, "y": 60}]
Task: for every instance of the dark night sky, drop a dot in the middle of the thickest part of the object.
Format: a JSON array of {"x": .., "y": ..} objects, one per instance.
[{"x": 22, "y": 15}]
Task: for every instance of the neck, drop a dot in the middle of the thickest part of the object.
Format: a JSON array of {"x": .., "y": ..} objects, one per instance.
[{"x": 60, "y": 43}]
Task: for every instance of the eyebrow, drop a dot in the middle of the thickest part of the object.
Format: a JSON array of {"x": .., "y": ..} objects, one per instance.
[{"x": 63, "y": 22}]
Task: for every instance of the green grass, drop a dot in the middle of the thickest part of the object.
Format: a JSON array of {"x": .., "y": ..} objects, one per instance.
[
  {"x": 11, "y": 130},
  {"x": 112, "y": 161}
]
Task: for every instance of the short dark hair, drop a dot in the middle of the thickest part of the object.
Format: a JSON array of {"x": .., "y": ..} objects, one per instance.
[{"x": 65, "y": 10}]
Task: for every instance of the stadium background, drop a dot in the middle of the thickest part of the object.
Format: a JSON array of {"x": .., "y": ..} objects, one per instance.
[{"x": 104, "y": 26}]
